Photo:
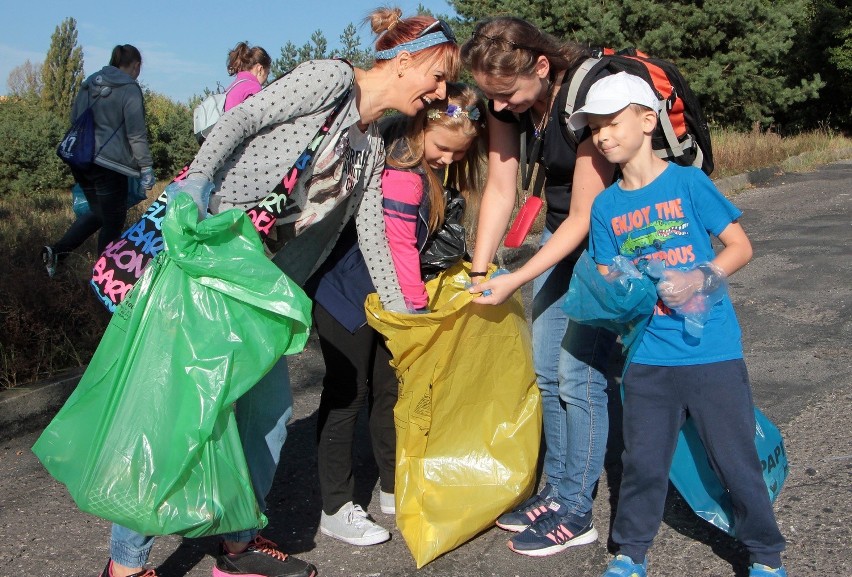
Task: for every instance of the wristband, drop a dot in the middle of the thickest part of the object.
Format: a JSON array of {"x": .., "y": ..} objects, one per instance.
[{"x": 476, "y": 274}]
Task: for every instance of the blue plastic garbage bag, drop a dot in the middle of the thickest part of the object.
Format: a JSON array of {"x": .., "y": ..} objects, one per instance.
[
  {"x": 700, "y": 487},
  {"x": 623, "y": 303},
  {"x": 80, "y": 205},
  {"x": 149, "y": 438}
]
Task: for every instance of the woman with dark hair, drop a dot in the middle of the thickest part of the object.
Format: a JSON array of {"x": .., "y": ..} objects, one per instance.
[
  {"x": 245, "y": 159},
  {"x": 121, "y": 146},
  {"x": 520, "y": 69}
]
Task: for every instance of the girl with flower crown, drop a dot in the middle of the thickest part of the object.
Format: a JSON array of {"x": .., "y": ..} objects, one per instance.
[{"x": 443, "y": 143}]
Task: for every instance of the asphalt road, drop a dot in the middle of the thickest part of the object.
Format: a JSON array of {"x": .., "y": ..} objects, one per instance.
[{"x": 793, "y": 302}]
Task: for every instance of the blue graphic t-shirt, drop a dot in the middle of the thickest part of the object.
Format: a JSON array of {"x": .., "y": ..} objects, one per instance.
[{"x": 671, "y": 220}]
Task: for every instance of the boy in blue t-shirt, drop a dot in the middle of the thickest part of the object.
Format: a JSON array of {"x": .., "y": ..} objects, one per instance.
[{"x": 662, "y": 211}]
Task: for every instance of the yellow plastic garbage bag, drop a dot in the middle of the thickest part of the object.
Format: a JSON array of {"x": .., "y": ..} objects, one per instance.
[{"x": 468, "y": 418}]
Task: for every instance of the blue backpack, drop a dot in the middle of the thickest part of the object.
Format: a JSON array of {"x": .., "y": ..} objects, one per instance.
[{"x": 77, "y": 147}]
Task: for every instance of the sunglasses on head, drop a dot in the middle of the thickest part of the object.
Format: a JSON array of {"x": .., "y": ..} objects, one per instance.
[
  {"x": 502, "y": 42},
  {"x": 439, "y": 26}
]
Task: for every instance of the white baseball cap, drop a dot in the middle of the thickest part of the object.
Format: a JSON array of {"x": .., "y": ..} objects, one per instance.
[{"x": 611, "y": 94}]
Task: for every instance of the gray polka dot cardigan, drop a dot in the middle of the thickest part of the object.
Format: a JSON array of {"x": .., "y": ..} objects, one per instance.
[{"x": 256, "y": 142}]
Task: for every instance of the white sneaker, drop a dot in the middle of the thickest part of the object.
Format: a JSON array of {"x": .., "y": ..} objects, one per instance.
[
  {"x": 352, "y": 525},
  {"x": 49, "y": 258},
  {"x": 387, "y": 503}
]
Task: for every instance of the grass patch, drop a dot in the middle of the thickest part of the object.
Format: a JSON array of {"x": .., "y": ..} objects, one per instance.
[
  {"x": 46, "y": 325},
  {"x": 738, "y": 152}
]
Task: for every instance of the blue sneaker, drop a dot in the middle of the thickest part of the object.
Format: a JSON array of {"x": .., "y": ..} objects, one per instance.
[
  {"x": 552, "y": 533},
  {"x": 758, "y": 570},
  {"x": 527, "y": 512},
  {"x": 623, "y": 566}
]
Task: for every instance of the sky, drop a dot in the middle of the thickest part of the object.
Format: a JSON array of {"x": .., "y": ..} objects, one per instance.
[{"x": 184, "y": 43}]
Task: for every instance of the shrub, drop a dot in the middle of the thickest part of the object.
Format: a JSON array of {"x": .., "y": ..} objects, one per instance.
[
  {"x": 28, "y": 161},
  {"x": 170, "y": 134},
  {"x": 45, "y": 325}
]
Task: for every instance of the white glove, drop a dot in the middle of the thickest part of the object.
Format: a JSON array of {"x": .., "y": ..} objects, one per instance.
[
  {"x": 147, "y": 178},
  {"x": 677, "y": 287},
  {"x": 198, "y": 188}
]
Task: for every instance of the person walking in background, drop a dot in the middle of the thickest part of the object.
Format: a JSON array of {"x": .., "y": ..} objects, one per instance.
[
  {"x": 121, "y": 142},
  {"x": 521, "y": 69},
  {"x": 672, "y": 372},
  {"x": 251, "y": 66},
  {"x": 414, "y": 59},
  {"x": 444, "y": 141}
]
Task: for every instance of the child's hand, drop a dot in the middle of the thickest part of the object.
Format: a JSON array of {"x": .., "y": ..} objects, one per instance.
[{"x": 677, "y": 287}]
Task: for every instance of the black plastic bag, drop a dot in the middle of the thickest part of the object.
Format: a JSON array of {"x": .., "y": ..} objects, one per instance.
[{"x": 448, "y": 245}]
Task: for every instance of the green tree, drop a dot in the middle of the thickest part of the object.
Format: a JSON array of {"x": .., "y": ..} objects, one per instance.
[
  {"x": 170, "y": 135},
  {"x": 350, "y": 48},
  {"x": 62, "y": 71},
  {"x": 28, "y": 161},
  {"x": 291, "y": 55},
  {"x": 25, "y": 81},
  {"x": 824, "y": 46},
  {"x": 288, "y": 60},
  {"x": 318, "y": 47},
  {"x": 735, "y": 55}
]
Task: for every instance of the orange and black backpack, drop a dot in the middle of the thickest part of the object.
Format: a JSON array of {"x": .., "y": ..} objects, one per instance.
[{"x": 682, "y": 134}]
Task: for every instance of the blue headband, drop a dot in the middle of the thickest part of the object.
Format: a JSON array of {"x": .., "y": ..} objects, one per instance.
[{"x": 419, "y": 43}]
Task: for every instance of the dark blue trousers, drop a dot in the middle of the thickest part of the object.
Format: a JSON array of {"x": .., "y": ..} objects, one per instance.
[
  {"x": 106, "y": 191},
  {"x": 717, "y": 396}
]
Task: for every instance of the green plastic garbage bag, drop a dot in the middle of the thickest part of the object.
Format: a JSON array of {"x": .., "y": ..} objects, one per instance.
[{"x": 149, "y": 439}]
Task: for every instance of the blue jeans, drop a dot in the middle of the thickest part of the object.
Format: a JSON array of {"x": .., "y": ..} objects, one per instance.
[
  {"x": 548, "y": 328},
  {"x": 262, "y": 415},
  {"x": 582, "y": 387},
  {"x": 570, "y": 363}
]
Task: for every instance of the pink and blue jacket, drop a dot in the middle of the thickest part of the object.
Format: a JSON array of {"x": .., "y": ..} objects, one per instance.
[{"x": 406, "y": 230}]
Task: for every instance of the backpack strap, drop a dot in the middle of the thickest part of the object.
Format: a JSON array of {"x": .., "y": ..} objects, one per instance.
[
  {"x": 674, "y": 147},
  {"x": 92, "y": 102},
  {"x": 575, "y": 87},
  {"x": 234, "y": 84},
  {"x": 265, "y": 214}
]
